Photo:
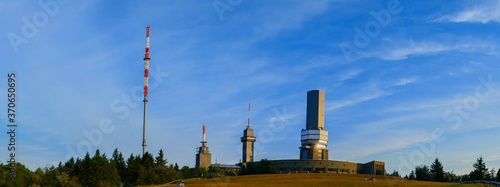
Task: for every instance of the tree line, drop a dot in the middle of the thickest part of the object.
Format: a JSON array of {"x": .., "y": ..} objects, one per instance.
[
  {"x": 101, "y": 170},
  {"x": 436, "y": 172}
]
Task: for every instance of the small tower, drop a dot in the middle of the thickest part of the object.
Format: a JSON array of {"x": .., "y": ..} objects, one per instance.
[
  {"x": 248, "y": 140},
  {"x": 203, "y": 157}
]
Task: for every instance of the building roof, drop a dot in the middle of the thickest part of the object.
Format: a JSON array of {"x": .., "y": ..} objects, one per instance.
[{"x": 226, "y": 166}]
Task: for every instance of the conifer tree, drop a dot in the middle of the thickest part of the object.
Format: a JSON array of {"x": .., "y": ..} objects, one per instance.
[{"x": 437, "y": 171}]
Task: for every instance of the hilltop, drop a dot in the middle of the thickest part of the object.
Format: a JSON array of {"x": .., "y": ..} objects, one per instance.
[{"x": 304, "y": 179}]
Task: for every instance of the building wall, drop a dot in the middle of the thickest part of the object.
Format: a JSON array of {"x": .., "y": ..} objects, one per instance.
[
  {"x": 325, "y": 166},
  {"x": 313, "y": 153},
  {"x": 248, "y": 140},
  {"x": 374, "y": 166},
  {"x": 203, "y": 158},
  {"x": 315, "y": 112},
  {"x": 227, "y": 167},
  {"x": 247, "y": 151}
]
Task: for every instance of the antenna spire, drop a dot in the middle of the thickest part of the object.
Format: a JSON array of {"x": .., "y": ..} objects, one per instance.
[
  {"x": 248, "y": 125},
  {"x": 204, "y": 140}
]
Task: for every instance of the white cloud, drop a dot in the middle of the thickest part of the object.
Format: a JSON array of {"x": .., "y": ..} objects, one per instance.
[
  {"x": 277, "y": 19},
  {"x": 401, "y": 49},
  {"x": 405, "y": 81},
  {"x": 480, "y": 14},
  {"x": 356, "y": 100},
  {"x": 373, "y": 89},
  {"x": 349, "y": 74},
  {"x": 391, "y": 139},
  {"x": 414, "y": 49},
  {"x": 394, "y": 133},
  {"x": 437, "y": 105}
]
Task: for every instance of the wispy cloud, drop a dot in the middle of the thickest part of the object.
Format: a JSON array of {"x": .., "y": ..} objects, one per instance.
[
  {"x": 405, "y": 81},
  {"x": 391, "y": 139},
  {"x": 349, "y": 74},
  {"x": 415, "y": 49},
  {"x": 273, "y": 21},
  {"x": 403, "y": 49},
  {"x": 488, "y": 12},
  {"x": 393, "y": 132},
  {"x": 349, "y": 102},
  {"x": 372, "y": 90}
]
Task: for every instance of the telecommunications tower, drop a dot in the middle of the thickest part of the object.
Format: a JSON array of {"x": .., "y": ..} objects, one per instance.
[
  {"x": 203, "y": 157},
  {"x": 248, "y": 140},
  {"x": 314, "y": 138},
  {"x": 146, "y": 75}
]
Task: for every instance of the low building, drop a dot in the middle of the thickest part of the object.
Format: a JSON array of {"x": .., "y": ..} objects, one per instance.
[
  {"x": 328, "y": 166},
  {"x": 227, "y": 167}
]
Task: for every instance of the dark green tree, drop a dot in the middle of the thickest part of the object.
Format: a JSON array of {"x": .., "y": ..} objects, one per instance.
[
  {"x": 102, "y": 172},
  {"x": 64, "y": 180},
  {"x": 69, "y": 165},
  {"x": 214, "y": 171},
  {"x": 50, "y": 176},
  {"x": 132, "y": 171},
  {"x": 147, "y": 161},
  {"x": 120, "y": 164},
  {"x": 243, "y": 169},
  {"x": 23, "y": 177},
  {"x": 395, "y": 174},
  {"x": 465, "y": 177},
  {"x": 252, "y": 168},
  {"x": 199, "y": 173},
  {"x": 491, "y": 174},
  {"x": 480, "y": 170},
  {"x": 267, "y": 167},
  {"x": 423, "y": 173},
  {"x": 143, "y": 176},
  {"x": 38, "y": 177},
  {"x": 498, "y": 175},
  {"x": 160, "y": 159},
  {"x": 193, "y": 172},
  {"x": 176, "y": 167},
  {"x": 76, "y": 168},
  {"x": 84, "y": 169},
  {"x": 164, "y": 174},
  {"x": 437, "y": 171},
  {"x": 450, "y": 176},
  {"x": 186, "y": 172},
  {"x": 412, "y": 175}
]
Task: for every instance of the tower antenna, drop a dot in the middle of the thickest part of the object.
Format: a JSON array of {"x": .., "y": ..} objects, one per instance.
[
  {"x": 248, "y": 125},
  {"x": 146, "y": 75},
  {"x": 204, "y": 140}
]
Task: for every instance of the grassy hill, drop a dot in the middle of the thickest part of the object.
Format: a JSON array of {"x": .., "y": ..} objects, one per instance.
[{"x": 303, "y": 179}]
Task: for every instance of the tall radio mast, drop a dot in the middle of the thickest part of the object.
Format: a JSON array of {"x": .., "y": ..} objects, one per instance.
[{"x": 146, "y": 75}]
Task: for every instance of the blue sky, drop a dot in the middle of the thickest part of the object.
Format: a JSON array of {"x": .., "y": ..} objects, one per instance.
[{"x": 405, "y": 81}]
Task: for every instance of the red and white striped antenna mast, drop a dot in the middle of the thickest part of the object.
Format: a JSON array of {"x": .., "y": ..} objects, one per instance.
[
  {"x": 146, "y": 76},
  {"x": 204, "y": 141}
]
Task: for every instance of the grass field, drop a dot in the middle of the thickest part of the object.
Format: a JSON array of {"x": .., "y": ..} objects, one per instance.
[{"x": 303, "y": 179}]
